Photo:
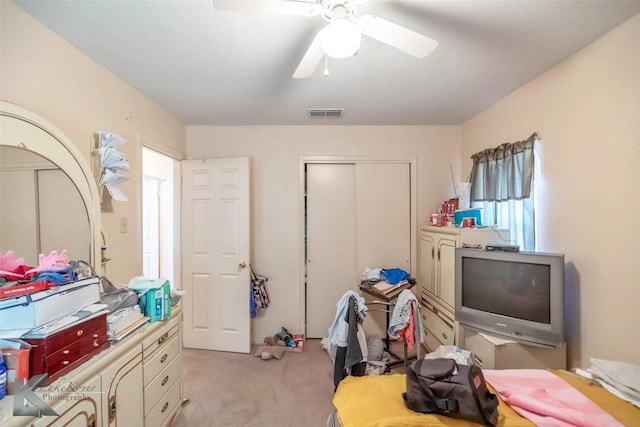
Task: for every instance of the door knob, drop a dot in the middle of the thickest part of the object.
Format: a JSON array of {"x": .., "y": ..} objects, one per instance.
[{"x": 242, "y": 265}]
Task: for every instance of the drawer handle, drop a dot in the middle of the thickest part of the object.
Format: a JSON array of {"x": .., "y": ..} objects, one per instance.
[
  {"x": 80, "y": 332},
  {"x": 163, "y": 358},
  {"x": 65, "y": 362},
  {"x": 96, "y": 343},
  {"x": 435, "y": 310},
  {"x": 164, "y": 381},
  {"x": 444, "y": 335},
  {"x": 65, "y": 352},
  {"x": 112, "y": 409},
  {"x": 165, "y": 406},
  {"x": 163, "y": 338}
]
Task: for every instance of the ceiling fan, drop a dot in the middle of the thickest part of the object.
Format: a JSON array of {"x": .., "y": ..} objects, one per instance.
[{"x": 342, "y": 35}]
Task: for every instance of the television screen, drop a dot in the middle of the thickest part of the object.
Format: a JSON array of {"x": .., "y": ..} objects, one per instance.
[
  {"x": 519, "y": 295},
  {"x": 514, "y": 289}
]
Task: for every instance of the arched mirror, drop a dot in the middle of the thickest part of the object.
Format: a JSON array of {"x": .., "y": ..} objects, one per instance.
[{"x": 49, "y": 198}]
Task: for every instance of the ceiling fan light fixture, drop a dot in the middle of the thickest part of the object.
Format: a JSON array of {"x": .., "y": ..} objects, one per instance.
[{"x": 341, "y": 38}]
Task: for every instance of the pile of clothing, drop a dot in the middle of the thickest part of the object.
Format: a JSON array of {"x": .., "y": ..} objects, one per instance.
[
  {"x": 17, "y": 278},
  {"x": 620, "y": 378}
]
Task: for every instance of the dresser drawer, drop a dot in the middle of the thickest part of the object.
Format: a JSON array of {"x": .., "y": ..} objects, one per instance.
[
  {"x": 442, "y": 331},
  {"x": 165, "y": 407},
  {"x": 160, "y": 337},
  {"x": 154, "y": 391},
  {"x": 438, "y": 309},
  {"x": 430, "y": 341},
  {"x": 74, "y": 351},
  {"x": 161, "y": 359}
]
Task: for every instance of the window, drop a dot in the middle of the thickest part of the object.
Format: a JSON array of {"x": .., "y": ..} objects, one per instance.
[{"x": 502, "y": 183}]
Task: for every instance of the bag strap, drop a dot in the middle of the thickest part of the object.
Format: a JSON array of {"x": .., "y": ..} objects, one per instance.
[
  {"x": 442, "y": 405},
  {"x": 254, "y": 276}
]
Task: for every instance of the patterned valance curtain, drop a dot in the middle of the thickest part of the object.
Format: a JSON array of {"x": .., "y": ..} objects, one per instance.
[{"x": 503, "y": 173}]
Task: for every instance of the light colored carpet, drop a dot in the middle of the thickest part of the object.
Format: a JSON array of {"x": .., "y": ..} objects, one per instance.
[{"x": 231, "y": 389}]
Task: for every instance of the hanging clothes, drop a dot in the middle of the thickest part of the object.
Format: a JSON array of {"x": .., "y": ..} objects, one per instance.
[
  {"x": 351, "y": 343},
  {"x": 405, "y": 319},
  {"x": 341, "y": 311},
  {"x": 259, "y": 298}
]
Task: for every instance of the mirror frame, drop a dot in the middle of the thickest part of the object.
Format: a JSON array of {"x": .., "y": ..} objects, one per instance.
[{"x": 26, "y": 130}]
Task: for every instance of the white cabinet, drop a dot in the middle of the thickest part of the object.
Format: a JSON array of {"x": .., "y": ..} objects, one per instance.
[
  {"x": 511, "y": 355},
  {"x": 437, "y": 276},
  {"x": 123, "y": 394},
  {"x": 136, "y": 382},
  {"x": 77, "y": 404}
]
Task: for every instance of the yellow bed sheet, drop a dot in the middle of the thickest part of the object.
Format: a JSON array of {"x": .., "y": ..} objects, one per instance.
[{"x": 376, "y": 401}]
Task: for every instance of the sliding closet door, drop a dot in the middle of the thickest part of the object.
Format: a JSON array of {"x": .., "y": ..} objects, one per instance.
[
  {"x": 331, "y": 248},
  {"x": 383, "y": 231},
  {"x": 358, "y": 216}
]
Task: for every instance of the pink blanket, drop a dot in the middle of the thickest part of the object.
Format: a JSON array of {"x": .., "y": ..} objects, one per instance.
[{"x": 546, "y": 399}]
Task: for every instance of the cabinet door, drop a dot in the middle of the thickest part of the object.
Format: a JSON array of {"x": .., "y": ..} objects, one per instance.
[
  {"x": 122, "y": 382},
  {"x": 445, "y": 270},
  {"x": 427, "y": 262},
  {"x": 79, "y": 408}
]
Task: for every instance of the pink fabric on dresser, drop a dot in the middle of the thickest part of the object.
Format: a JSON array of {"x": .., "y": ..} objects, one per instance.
[{"x": 546, "y": 399}]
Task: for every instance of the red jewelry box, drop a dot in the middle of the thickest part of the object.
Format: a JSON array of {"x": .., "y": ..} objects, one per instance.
[{"x": 67, "y": 349}]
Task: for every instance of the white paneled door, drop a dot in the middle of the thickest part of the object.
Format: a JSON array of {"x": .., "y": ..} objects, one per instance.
[{"x": 215, "y": 247}]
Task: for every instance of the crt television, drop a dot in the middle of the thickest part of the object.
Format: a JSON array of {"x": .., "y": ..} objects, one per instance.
[{"x": 513, "y": 295}]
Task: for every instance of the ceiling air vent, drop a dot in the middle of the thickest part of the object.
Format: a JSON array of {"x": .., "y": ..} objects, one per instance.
[{"x": 325, "y": 113}]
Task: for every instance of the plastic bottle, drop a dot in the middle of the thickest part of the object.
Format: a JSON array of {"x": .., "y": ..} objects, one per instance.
[{"x": 3, "y": 378}]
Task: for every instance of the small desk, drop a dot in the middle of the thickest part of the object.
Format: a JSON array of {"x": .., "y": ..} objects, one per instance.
[{"x": 388, "y": 300}]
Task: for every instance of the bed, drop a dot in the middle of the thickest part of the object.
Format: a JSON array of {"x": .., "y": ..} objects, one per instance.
[{"x": 376, "y": 401}]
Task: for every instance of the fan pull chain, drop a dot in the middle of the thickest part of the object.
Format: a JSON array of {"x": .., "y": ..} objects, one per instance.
[{"x": 326, "y": 65}]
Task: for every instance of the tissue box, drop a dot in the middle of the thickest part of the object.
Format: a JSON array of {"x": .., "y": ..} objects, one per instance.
[
  {"x": 156, "y": 302},
  {"x": 468, "y": 213}
]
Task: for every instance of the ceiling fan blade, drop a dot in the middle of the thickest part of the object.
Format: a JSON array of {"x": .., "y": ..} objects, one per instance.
[
  {"x": 310, "y": 60},
  {"x": 402, "y": 38},
  {"x": 287, "y": 7}
]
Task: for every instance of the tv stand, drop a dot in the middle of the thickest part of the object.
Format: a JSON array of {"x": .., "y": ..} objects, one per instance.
[{"x": 511, "y": 355}]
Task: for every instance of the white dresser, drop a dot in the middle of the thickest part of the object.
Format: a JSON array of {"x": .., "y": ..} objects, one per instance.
[
  {"x": 437, "y": 277},
  {"x": 136, "y": 382}
]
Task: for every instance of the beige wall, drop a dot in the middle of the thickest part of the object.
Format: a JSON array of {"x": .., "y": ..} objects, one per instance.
[
  {"x": 586, "y": 111},
  {"x": 276, "y": 212},
  {"x": 44, "y": 74}
]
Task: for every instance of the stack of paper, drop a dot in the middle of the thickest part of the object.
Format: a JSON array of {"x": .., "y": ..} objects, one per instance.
[
  {"x": 112, "y": 162},
  {"x": 122, "y": 322},
  {"x": 386, "y": 287}
]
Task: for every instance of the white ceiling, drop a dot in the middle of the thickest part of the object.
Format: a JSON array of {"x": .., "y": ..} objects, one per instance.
[{"x": 209, "y": 67}]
